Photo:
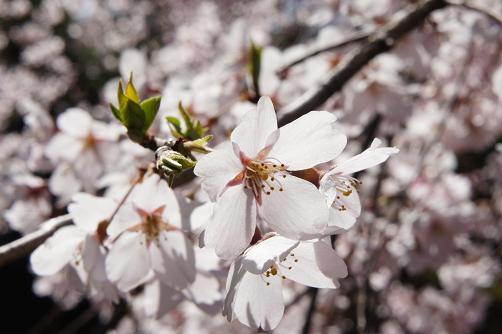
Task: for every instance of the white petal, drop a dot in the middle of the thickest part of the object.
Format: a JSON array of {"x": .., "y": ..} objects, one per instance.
[
  {"x": 308, "y": 141},
  {"x": 298, "y": 212},
  {"x": 93, "y": 259},
  {"x": 371, "y": 157},
  {"x": 339, "y": 221},
  {"x": 252, "y": 133},
  {"x": 63, "y": 147},
  {"x": 233, "y": 223},
  {"x": 200, "y": 217},
  {"x": 87, "y": 211},
  {"x": 160, "y": 299},
  {"x": 75, "y": 122},
  {"x": 352, "y": 203},
  {"x": 261, "y": 256},
  {"x": 317, "y": 265},
  {"x": 173, "y": 259},
  {"x": 206, "y": 259},
  {"x": 57, "y": 251},
  {"x": 154, "y": 193},
  {"x": 125, "y": 218},
  {"x": 128, "y": 262},
  {"x": 205, "y": 293},
  {"x": 217, "y": 169},
  {"x": 254, "y": 303}
]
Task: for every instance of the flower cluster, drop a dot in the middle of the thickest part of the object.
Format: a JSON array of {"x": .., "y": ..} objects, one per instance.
[{"x": 197, "y": 191}]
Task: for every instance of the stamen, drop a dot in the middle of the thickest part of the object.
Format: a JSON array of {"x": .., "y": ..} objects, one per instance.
[{"x": 261, "y": 176}]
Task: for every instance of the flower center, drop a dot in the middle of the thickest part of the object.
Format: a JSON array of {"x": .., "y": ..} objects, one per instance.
[
  {"x": 89, "y": 141},
  {"x": 151, "y": 224},
  {"x": 264, "y": 176},
  {"x": 286, "y": 264},
  {"x": 344, "y": 186}
]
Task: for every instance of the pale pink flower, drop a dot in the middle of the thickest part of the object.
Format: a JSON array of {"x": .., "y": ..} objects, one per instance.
[
  {"x": 147, "y": 238},
  {"x": 88, "y": 145},
  {"x": 79, "y": 245},
  {"x": 251, "y": 178},
  {"x": 340, "y": 188},
  {"x": 254, "y": 283}
]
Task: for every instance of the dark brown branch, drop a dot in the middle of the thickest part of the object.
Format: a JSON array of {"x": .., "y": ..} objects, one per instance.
[
  {"x": 378, "y": 43},
  {"x": 310, "y": 313},
  {"x": 356, "y": 37}
]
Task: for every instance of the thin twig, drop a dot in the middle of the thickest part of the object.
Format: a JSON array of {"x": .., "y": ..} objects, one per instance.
[
  {"x": 310, "y": 313},
  {"x": 378, "y": 43},
  {"x": 485, "y": 11},
  {"x": 356, "y": 37},
  {"x": 25, "y": 245}
]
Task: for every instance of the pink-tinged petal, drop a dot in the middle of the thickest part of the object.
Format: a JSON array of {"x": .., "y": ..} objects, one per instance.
[
  {"x": 173, "y": 259},
  {"x": 254, "y": 302},
  {"x": 150, "y": 194},
  {"x": 205, "y": 293},
  {"x": 352, "y": 203},
  {"x": 308, "y": 141},
  {"x": 75, "y": 122},
  {"x": 160, "y": 299},
  {"x": 233, "y": 223},
  {"x": 206, "y": 260},
  {"x": 88, "y": 168},
  {"x": 252, "y": 133},
  {"x": 371, "y": 157},
  {"x": 339, "y": 221},
  {"x": 93, "y": 259},
  {"x": 261, "y": 256},
  {"x": 104, "y": 131},
  {"x": 87, "y": 211},
  {"x": 200, "y": 217},
  {"x": 217, "y": 169},
  {"x": 57, "y": 251},
  {"x": 297, "y": 212},
  {"x": 128, "y": 262},
  {"x": 314, "y": 264},
  {"x": 126, "y": 217},
  {"x": 63, "y": 147}
]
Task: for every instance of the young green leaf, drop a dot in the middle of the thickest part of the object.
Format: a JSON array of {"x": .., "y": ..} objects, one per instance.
[
  {"x": 150, "y": 108},
  {"x": 130, "y": 90}
]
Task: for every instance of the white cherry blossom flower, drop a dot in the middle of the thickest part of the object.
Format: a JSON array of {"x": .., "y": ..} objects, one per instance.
[
  {"x": 148, "y": 239},
  {"x": 340, "y": 188},
  {"x": 88, "y": 145},
  {"x": 79, "y": 245},
  {"x": 252, "y": 178},
  {"x": 254, "y": 284}
]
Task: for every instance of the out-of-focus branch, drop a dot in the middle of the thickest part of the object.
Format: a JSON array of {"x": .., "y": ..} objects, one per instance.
[
  {"x": 25, "y": 245},
  {"x": 379, "y": 42},
  {"x": 310, "y": 313},
  {"x": 356, "y": 37},
  {"x": 485, "y": 11}
]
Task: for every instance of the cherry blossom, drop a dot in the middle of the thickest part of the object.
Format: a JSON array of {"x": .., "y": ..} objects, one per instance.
[
  {"x": 88, "y": 145},
  {"x": 147, "y": 236},
  {"x": 252, "y": 178},
  {"x": 340, "y": 188},
  {"x": 264, "y": 266},
  {"x": 79, "y": 245}
]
